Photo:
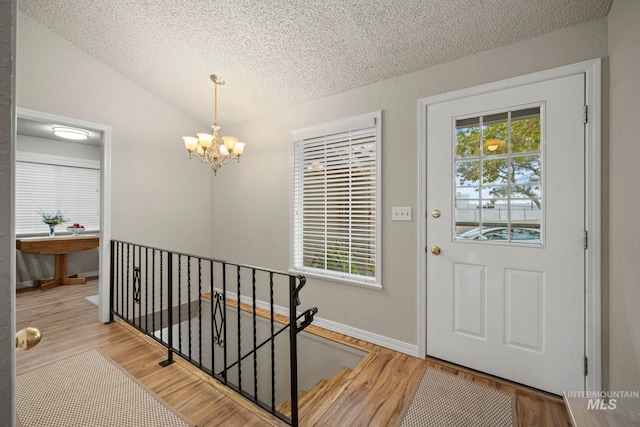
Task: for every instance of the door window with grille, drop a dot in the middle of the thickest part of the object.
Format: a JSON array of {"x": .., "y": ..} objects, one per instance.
[{"x": 498, "y": 184}]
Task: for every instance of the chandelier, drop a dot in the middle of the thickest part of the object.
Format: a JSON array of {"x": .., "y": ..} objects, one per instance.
[{"x": 213, "y": 149}]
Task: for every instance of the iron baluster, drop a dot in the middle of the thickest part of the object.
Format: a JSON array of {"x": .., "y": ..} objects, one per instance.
[
  {"x": 128, "y": 280},
  {"x": 211, "y": 314},
  {"x": 179, "y": 304},
  {"x": 239, "y": 333},
  {"x": 169, "y": 360},
  {"x": 112, "y": 288},
  {"x": 123, "y": 296},
  {"x": 217, "y": 301},
  {"x": 153, "y": 290},
  {"x": 146, "y": 289},
  {"x": 189, "y": 303},
  {"x": 293, "y": 348},
  {"x": 136, "y": 287},
  {"x": 273, "y": 343},
  {"x": 200, "y": 311},
  {"x": 224, "y": 324},
  {"x": 255, "y": 334},
  {"x": 161, "y": 288}
]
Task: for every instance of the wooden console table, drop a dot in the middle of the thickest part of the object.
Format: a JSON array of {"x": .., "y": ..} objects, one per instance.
[{"x": 61, "y": 247}]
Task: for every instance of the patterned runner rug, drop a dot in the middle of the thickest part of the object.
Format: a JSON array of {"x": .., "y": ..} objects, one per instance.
[
  {"x": 89, "y": 389},
  {"x": 446, "y": 400}
]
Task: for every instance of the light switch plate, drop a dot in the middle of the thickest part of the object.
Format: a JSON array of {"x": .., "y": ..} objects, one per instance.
[{"x": 401, "y": 213}]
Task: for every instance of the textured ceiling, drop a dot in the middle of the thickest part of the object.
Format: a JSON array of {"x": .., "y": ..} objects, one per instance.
[{"x": 277, "y": 53}]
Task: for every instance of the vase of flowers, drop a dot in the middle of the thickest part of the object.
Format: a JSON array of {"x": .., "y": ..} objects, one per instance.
[{"x": 52, "y": 219}]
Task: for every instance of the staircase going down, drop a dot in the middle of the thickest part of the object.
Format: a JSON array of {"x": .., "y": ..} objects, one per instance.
[{"x": 315, "y": 402}]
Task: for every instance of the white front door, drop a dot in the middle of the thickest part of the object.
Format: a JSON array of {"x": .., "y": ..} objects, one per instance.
[{"x": 505, "y": 233}]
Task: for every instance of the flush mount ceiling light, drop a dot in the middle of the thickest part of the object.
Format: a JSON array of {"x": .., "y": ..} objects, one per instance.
[
  {"x": 213, "y": 149},
  {"x": 70, "y": 133}
]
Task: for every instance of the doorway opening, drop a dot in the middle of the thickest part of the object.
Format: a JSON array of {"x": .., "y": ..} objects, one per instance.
[{"x": 34, "y": 125}]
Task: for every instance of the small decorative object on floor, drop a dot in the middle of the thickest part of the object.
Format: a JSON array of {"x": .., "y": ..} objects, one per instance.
[
  {"x": 52, "y": 219},
  {"x": 76, "y": 229}
]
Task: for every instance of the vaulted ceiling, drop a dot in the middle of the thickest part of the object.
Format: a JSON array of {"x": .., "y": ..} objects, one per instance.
[{"x": 278, "y": 53}]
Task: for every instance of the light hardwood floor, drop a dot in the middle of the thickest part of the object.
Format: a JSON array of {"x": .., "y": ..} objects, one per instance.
[{"x": 376, "y": 393}]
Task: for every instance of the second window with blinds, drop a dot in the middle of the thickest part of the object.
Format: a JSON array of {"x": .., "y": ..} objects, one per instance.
[
  {"x": 48, "y": 183},
  {"x": 336, "y": 200}
]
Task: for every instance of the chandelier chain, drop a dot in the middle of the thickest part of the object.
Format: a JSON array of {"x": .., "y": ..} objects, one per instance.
[{"x": 215, "y": 103}]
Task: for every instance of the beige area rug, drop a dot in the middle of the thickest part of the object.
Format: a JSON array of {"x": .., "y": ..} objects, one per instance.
[
  {"x": 89, "y": 389},
  {"x": 444, "y": 400}
]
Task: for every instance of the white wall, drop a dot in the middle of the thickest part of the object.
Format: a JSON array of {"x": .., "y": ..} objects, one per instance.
[
  {"x": 624, "y": 203},
  {"x": 251, "y": 208},
  {"x": 7, "y": 243},
  {"x": 159, "y": 197}
]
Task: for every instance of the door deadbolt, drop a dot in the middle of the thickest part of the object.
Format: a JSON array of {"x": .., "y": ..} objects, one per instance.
[{"x": 435, "y": 250}]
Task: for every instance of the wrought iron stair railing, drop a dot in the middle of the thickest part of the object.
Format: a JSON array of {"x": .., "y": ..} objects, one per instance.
[{"x": 206, "y": 311}]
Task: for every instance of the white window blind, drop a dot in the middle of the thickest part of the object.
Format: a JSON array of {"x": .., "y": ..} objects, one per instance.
[
  {"x": 50, "y": 183},
  {"x": 336, "y": 199}
]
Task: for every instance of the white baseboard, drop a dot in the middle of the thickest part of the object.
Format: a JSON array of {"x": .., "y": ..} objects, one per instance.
[
  {"x": 381, "y": 340},
  {"x": 89, "y": 274},
  {"x": 29, "y": 283},
  {"x": 24, "y": 285}
]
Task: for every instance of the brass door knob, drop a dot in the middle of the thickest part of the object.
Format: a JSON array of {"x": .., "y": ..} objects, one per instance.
[
  {"x": 435, "y": 250},
  {"x": 435, "y": 213},
  {"x": 27, "y": 338}
]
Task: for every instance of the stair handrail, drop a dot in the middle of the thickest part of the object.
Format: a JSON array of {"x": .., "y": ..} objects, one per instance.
[{"x": 308, "y": 315}]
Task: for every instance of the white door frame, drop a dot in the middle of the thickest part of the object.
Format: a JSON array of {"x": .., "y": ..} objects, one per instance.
[
  {"x": 105, "y": 194},
  {"x": 592, "y": 71}
]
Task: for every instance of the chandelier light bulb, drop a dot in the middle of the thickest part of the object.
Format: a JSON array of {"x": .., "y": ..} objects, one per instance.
[
  {"x": 229, "y": 141},
  {"x": 239, "y": 148},
  {"x": 190, "y": 143},
  {"x": 205, "y": 139}
]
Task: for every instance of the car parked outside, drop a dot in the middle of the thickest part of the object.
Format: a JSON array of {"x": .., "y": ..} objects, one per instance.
[{"x": 518, "y": 234}]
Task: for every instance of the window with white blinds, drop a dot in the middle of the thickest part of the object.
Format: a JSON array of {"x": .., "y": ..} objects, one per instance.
[
  {"x": 50, "y": 183},
  {"x": 336, "y": 190}
]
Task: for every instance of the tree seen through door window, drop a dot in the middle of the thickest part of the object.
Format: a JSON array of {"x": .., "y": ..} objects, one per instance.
[{"x": 498, "y": 175}]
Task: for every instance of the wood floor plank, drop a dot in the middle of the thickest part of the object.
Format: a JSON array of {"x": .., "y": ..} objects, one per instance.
[
  {"x": 555, "y": 415},
  {"x": 374, "y": 393},
  {"x": 368, "y": 400}
]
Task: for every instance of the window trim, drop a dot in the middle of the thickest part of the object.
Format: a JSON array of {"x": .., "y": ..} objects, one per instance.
[{"x": 369, "y": 120}]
